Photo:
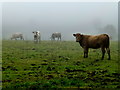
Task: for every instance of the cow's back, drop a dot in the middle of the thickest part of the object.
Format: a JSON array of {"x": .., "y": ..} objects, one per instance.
[
  {"x": 98, "y": 41},
  {"x": 17, "y": 35}
]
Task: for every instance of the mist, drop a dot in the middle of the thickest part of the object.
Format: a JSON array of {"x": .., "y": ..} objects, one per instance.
[
  {"x": 64, "y": 17},
  {"x": 0, "y": 22}
]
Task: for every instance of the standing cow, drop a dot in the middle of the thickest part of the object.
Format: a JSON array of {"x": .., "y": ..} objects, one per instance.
[
  {"x": 89, "y": 41},
  {"x": 37, "y": 36},
  {"x": 17, "y": 35},
  {"x": 56, "y": 35}
]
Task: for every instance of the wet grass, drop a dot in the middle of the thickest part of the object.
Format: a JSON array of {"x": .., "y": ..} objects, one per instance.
[{"x": 57, "y": 65}]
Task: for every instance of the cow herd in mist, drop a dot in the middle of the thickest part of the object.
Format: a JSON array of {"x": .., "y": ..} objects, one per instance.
[
  {"x": 86, "y": 41},
  {"x": 36, "y": 36}
]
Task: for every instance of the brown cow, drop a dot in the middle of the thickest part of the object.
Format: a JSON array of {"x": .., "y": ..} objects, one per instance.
[{"x": 95, "y": 42}]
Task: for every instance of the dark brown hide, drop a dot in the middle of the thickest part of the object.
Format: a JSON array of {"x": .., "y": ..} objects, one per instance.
[{"x": 95, "y": 42}]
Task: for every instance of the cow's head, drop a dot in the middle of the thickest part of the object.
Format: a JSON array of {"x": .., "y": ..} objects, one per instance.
[
  {"x": 78, "y": 37},
  {"x": 35, "y": 33}
]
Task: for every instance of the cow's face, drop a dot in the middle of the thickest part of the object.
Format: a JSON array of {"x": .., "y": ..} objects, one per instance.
[
  {"x": 78, "y": 37},
  {"x": 35, "y": 33}
]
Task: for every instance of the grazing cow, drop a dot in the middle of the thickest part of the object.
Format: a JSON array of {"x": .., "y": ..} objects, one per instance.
[
  {"x": 17, "y": 35},
  {"x": 37, "y": 36},
  {"x": 95, "y": 42},
  {"x": 56, "y": 35}
]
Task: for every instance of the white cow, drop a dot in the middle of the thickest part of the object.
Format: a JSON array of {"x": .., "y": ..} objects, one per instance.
[
  {"x": 37, "y": 36},
  {"x": 17, "y": 35},
  {"x": 56, "y": 35}
]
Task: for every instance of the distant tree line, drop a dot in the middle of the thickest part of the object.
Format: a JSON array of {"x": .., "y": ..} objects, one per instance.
[{"x": 110, "y": 30}]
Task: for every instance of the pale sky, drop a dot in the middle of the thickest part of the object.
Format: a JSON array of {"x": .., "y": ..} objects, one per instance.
[
  {"x": 64, "y": 17},
  {"x": 59, "y": 0}
]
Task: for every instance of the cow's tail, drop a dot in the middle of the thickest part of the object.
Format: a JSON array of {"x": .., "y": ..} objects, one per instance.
[{"x": 107, "y": 41}]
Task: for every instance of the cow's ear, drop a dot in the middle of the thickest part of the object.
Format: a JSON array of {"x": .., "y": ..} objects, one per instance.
[{"x": 74, "y": 35}]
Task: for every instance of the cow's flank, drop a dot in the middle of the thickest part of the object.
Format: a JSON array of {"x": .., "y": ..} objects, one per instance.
[
  {"x": 95, "y": 42},
  {"x": 56, "y": 35},
  {"x": 17, "y": 35}
]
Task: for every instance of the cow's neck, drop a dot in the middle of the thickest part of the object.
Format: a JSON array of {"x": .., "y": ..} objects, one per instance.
[{"x": 81, "y": 42}]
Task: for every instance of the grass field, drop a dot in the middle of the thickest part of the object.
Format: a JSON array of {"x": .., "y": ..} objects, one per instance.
[{"x": 57, "y": 65}]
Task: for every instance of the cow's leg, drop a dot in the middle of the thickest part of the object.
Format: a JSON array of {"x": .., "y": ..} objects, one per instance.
[
  {"x": 60, "y": 38},
  {"x": 85, "y": 52},
  {"x": 34, "y": 40},
  {"x": 103, "y": 52},
  {"x": 22, "y": 38},
  {"x": 37, "y": 40},
  {"x": 40, "y": 39},
  {"x": 108, "y": 51}
]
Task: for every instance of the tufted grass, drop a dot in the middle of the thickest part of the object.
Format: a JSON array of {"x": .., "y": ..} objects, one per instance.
[{"x": 54, "y": 64}]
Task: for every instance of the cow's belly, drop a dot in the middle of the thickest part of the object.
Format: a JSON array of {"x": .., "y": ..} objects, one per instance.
[{"x": 94, "y": 46}]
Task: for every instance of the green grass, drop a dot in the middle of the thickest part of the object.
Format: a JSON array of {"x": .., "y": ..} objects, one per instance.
[{"x": 57, "y": 65}]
